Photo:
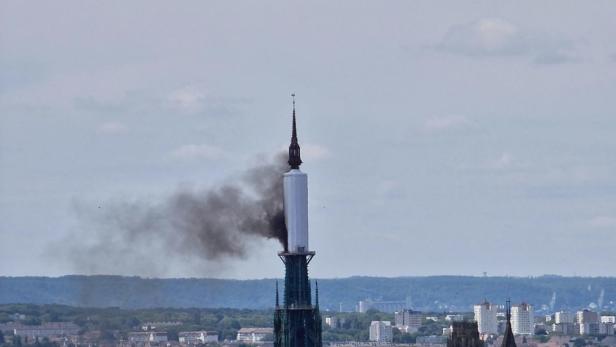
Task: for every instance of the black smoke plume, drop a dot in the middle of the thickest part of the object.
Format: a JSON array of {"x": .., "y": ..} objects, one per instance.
[{"x": 209, "y": 225}]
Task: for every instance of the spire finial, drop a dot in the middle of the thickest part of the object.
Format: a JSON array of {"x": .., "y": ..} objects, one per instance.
[
  {"x": 294, "y": 156},
  {"x": 508, "y": 308}
]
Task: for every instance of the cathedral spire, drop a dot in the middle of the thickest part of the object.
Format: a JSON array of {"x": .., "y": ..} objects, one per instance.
[
  {"x": 508, "y": 338},
  {"x": 294, "y": 156}
]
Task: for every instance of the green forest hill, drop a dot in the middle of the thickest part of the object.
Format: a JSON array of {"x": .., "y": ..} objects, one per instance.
[{"x": 432, "y": 293}]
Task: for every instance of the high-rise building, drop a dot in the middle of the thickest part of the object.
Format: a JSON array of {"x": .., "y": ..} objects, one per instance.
[
  {"x": 522, "y": 319},
  {"x": 464, "y": 334},
  {"x": 563, "y": 317},
  {"x": 485, "y": 316},
  {"x": 586, "y": 316},
  {"x": 381, "y": 331},
  {"x": 408, "y": 321},
  {"x": 297, "y": 323}
]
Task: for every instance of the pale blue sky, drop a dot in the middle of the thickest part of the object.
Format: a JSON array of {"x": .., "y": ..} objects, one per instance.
[{"x": 439, "y": 137}]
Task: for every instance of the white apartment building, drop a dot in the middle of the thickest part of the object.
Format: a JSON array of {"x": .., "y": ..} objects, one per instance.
[
  {"x": 149, "y": 336},
  {"x": 381, "y": 331},
  {"x": 253, "y": 335},
  {"x": 608, "y": 319},
  {"x": 563, "y": 317},
  {"x": 522, "y": 319},
  {"x": 197, "y": 337},
  {"x": 485, "y": 316}
]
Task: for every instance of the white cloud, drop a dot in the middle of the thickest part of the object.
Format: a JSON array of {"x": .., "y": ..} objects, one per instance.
[
  {"x": 189, "y": 99},
  {"x": 603, "y": 222},
  {"x": 112, "y": 128},
  {"x": 446, "y": 122},
  {"x": 498, "y": 37},
  {"x": 196, "y": 152}
]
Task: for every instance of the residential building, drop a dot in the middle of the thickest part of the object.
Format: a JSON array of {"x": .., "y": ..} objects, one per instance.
[
  {"x": 197, "y": 337},
  {"x": 48, "y": 330},
  {"x": 590, "y": 328},
  {"x": 606, "y": 328},
  {"x": 485, "y": 316},
  {"x": 608, "y": 319},
  {"x": 381, "y": 331},
  {"x": 334, "y": 322},
  {"x": 563, "y": 317},
  {"x": 408, "y": 321},
  {"x": 149, "y": 336},
  {"x": 253, "y": 335},
  {"x": 587, "y": 316},
  {"x": 564, "y": 329},
  {"x": 522, "y": 319}
]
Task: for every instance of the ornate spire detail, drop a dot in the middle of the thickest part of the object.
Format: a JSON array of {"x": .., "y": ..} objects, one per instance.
[
  {"x": 508, "y": 339},
  {"x": 294, "y": 156}
]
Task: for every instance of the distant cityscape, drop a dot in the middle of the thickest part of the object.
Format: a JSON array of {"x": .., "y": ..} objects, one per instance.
[{"x": 373, "y": 323}]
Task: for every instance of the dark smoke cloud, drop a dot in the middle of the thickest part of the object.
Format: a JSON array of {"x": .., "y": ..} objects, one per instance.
[{"x": 199, "y": 226}]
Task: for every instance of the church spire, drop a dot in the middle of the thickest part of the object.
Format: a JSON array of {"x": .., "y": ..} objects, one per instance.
[
  {"x": 294, "y": 156},
  {"x": 508, "y": 339}
]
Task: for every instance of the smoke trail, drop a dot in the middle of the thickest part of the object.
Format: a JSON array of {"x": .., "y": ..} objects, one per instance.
[{"x": 209, "y": 225}]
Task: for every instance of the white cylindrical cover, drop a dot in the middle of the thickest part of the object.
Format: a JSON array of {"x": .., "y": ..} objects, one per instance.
[{"x": 295, "y": 184}]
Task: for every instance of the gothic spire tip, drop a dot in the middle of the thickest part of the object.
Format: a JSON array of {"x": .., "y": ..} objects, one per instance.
[{"x": 295, "y": 159}]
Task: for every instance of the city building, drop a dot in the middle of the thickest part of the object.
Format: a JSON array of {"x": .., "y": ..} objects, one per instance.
[
  {"x": 149, "y": 337},
  {"x": 158, "y": 325},
  {"x": 408, "y": 321},
  {"x": 564, "y": 329},
  {"x": 608, "y": 319},
  {"x": 253, "y": 335},
  {"x": 522, "y": 319},
  {"x": 297, "y": 322},
  {"x": 197, "y": 337},
  {"x": 464, "y": 334},
  {"x": 606, "y": 328},
  {"x": 590, "y": 328},
  {"x": 381, "y": 331},
  {"x": 586, "y": 316},
  {"x": 563, "y": 317},
  {"x": 485, "y": 316},
  {"x": 47, "y": 330}
]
